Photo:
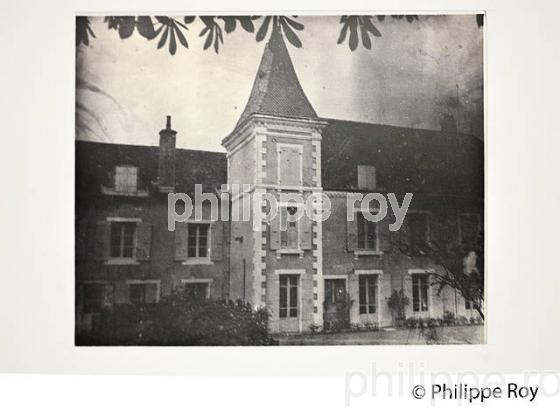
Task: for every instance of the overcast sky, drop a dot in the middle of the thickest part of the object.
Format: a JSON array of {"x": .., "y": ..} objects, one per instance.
[{"x": 412, "y": 75}]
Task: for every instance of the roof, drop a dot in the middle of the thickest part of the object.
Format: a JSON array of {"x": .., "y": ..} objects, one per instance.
[
  {"x": 276, "y": 89},
  {"x": 96, "y": 161},
  {"x": 427, "y": 162}
]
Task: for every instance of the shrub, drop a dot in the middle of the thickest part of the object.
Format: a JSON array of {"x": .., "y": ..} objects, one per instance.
[
  {"x": 448, "y": 318},
  {"x": 411, "y": 323},
  {"x": 179, "y": 321}
]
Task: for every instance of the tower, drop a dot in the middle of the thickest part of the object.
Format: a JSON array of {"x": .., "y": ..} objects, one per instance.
[{"x": 275, "y": 151}]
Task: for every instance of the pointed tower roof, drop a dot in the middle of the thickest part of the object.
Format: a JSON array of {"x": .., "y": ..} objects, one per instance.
[{"x": 276, "y": 89}]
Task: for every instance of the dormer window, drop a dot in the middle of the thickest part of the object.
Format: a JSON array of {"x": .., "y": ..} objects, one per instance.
[
  {"x": 366, "y": 177},
  {"x": 126, "y": 178}
]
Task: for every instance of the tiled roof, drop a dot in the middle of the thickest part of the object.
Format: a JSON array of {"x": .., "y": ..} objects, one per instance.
[
  {"x": 276, "y": 89},
  {"x": 432, "y": 163},
  {"x": 95, "y": 163}
]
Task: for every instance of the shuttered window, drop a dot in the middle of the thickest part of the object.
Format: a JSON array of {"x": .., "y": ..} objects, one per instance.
[
  {"x": 289, "y": 236},
  {"x": 143, "y": 293},
  {"x": 367, "y": 233},
  {"x": 198, "y": 240},
  {"x": 122, "y": 239}
]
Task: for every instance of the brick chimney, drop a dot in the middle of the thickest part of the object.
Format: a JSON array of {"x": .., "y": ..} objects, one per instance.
[{"x": 166, "y": 163}]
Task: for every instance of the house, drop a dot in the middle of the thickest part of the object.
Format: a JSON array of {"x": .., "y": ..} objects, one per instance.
[{"x": 309, "y": 273}]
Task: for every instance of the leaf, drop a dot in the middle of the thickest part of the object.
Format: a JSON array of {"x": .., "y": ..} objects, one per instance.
[
  {"x": 381, "y": 18},
  {"x": 290, "y": 35},
  {"x": 365, "y": 37},
  {"x": 83, "y": 31},
  {"x": 209, "y": 39},
  {"x": 370, "y": 27},
  {"x": 182, "y": 38},
  {"x": 126, "y": 27},
  {"x": 172, "y": 41},
  {"x": 246, "y": 23},
  {"x": 353, "y": 41},
  {"x": 344, "y": 30},
  {"x": 296, "y": 25},
  {"x": 163, "y": 38},
  {"x": 229, "y": 24},
  {"x": 163, "y": 20},
  {"x": 146, "y": 27},
  {"x": 189, "y": 19},
  {"x": 261, "y": 34}
]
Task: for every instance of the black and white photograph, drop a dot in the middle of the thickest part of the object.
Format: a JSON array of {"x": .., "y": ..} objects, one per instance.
[{"x": 279, "y": 180}]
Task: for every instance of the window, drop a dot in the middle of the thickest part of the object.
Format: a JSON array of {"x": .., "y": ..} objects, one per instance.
[
  {"x": 122, "y": 239},
  {"x": 143, "y": 292},
  {"x": 198, "y": 240},
  {"x": 367, "y": 233},
  {"x": 290, "y": 164},
  {"x": 93, "y": 297},
  {"x": 418, "y": 227},
  {"x": 126, "y": 179},
  {"x": 289, "y": 296},
  {"x": 469, "y": 225},
  {"x": 368, "y": 293},
  {"x": 196, "y": 290},
  {"x": 420, "y": 293},
  {"x": 366, "y": 177},
  {"x": 289, "y": 236}
]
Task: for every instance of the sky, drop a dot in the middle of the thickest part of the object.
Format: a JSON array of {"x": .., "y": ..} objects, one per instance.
[{"x": 413, "y": 75}]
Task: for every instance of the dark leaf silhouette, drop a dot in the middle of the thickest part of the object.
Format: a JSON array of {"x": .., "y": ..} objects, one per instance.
[
  {"x": 289, "y": 33},
  {"x": 381, "y": 18},
  {"x": 344, "y": 30},
  {"x": 261, "y": 34},
  {"x": 368, "y": 26},
  {"x": 213, "y": 33},
  {"x": 146, "y": 27},
  {"x": 83, "y": 31},
  {"x": 171, "y": 30},
  {"x": 189, "y": 19},
  {"x": 126, "y": 27}
]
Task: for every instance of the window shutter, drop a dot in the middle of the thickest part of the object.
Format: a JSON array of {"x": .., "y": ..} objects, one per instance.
[
  {"x": 143, "y": 241},
  {"x": 306, "y": 232},
  {"x": 217, "y": 241},
  {"x": 81, "y": 239},
  {"x": 275, "y": 231},
  {"x": 181, "y": 241},
  {"x": 384, "y": 235},
  {"x": 102, "y": 240},
  {"x": 352, "y": 234}
]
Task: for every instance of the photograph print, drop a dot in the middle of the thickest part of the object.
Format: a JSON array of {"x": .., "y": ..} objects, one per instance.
[{"x": 279, "y": 180}]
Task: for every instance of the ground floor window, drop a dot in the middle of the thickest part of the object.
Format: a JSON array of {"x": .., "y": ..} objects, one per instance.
[
  {"x": 420, "y": 292},
  {"x": 368, "y": 293},
  {"x": 198, "y": 291},
  {"x": 289, "y": 295},
  {"x": 143, "y": 292}
]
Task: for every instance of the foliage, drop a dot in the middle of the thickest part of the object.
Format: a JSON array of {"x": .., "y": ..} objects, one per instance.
[
  {"x": 397, "y": 302},
  {"x": 177, "y": 320},
  {"x": 173, "y": 31},
  {"x": 462, "y": 264}
]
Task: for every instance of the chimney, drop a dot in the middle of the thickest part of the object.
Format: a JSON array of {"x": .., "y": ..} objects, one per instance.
[{"x": 166, "y": 163}]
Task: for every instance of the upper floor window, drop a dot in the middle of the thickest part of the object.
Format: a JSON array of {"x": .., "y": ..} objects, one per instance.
[
  {"x": 122, "y": 239},
  {"x": 126, "y": 178},
  {"x": 289, "y": 235},
  {"x": 198, "y": 240},
  {"x": 367, "y": 233},
  {"x": 420, "y": 292},
  {"x": 366, "y": 177},
  {"x": 418, "y": 228}
]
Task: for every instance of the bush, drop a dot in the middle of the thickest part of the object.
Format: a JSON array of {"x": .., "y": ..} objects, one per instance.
[
  {"x": 179, "y": 321},
  {"x": 448, "y": 318}
]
